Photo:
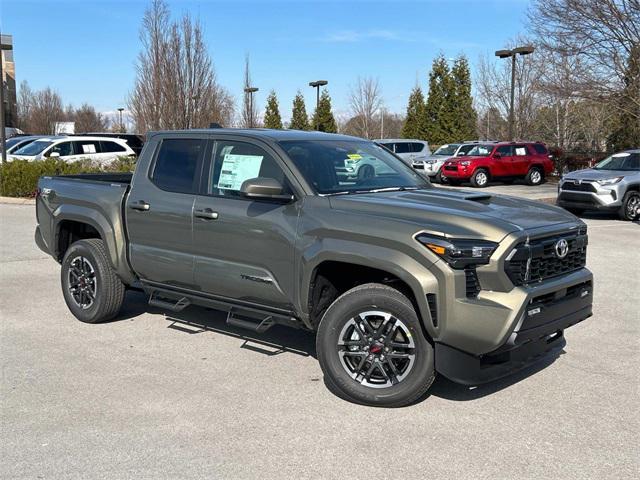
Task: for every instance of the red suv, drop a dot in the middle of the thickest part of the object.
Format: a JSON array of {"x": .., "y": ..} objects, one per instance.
[{"x": 504, "y": 161}]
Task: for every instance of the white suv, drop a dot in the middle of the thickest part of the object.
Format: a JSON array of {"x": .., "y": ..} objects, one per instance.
[
  {"x": 408, "y": 150},
  {"x": 70, "y": 149}
]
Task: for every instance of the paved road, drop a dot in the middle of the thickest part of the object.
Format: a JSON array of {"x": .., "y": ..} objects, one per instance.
[{"x": 152, "y": 396}]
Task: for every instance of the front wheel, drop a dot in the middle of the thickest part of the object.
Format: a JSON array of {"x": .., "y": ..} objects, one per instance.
[
  {"x": 480, "y": 178},
  {"x": 371, "y": 347},
  {"x": 91, "y": 289},
  {"x": 630, "y": 208}
]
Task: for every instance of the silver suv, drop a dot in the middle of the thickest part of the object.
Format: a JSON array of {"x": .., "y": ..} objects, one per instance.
[
  {"x": 613, "y": 184},
  {"x": 408, "y": 150}
]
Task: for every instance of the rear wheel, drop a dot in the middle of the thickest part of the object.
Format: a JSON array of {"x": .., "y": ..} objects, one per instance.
[
  {"x": 534, "y": 176},
  {"x": 91, "y": 289},
  {"x": 480, "y": 178},
  {"x": 372, "y": 350},
  {"x": 630, "y": 208}
]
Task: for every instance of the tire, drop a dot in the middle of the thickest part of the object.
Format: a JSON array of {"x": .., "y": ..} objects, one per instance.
[
  {"x": 402, "y": 366},
  {"x": 534, "y": 177},
  {"x": 438, "y": 178},
  {"x": 480, "y": 178},
  {"x": 630, "y": 204},
  {"x": 92, "y": 290},
  {"x": 365, "y": 172}
]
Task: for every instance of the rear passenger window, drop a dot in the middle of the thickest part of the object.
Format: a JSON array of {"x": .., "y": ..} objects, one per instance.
[
  {"x": 403, "y": 147},
  {"x": 417, "y": 147},
  {"x": 86, "y": 147},
  {"x": 111, "y": 147},
  {"x": 520, "y": 150},
  {"x": 504, "y": 150},
  {"x": 176, "y": 166},
  {"x": 235, "y": 162}
]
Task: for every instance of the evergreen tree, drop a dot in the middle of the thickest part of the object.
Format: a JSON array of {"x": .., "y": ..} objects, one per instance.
[
  {"x": 626, "y": 130},
  {"x": 439, "y": 112},
  {"x": 465, "y": 116},
  {"x": 414, "y": 124},
  {"x": 299, "y": 119},
  {"x": 272, "y": 114},
  {"x": 323, "y": 119}
]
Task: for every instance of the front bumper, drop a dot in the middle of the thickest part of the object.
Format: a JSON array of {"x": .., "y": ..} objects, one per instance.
[
  {"x": 589, "y": 195},
  {"x": 458, "y": 172},
  {"x": 538, "y": 332},
  {"x": 430, "y": 169}
]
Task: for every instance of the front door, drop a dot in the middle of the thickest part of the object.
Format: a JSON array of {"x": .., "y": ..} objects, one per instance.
[
  {"x": 244, "y": 248},
  {"x": 159, "y": 212},
  {"x": 502, "y": 166}
]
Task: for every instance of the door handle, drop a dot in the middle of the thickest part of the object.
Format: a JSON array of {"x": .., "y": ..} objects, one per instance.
[
  {"x": 206, "y": 213},
  {"x": 140, "y": 205}
]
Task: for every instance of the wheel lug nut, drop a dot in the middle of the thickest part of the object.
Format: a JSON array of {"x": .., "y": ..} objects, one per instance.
[{"x": 386, "y": 349}]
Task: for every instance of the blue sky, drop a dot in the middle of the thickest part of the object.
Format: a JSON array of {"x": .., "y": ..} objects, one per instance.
[{"x": 86, "y": 50}]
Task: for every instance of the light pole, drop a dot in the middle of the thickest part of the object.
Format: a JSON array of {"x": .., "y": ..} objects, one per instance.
[
  {"x": 121, "y": 125},
  {"x": 317, "y": 84},
  {"x": 3, "y": 135},
  {"x": 251, "y": 91},
  {"x": 526, "y": 50}
]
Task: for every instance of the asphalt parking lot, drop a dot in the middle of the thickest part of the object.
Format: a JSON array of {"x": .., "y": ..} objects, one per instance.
[{"x": 153, "y": 395}]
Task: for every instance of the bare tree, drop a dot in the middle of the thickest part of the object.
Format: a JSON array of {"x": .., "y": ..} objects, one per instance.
[
  {"x": 176, "y": 86},
  {"x": 88, "y": 120},
  {"x": 249, "y": 116},
  {"x": 38, "y": 111},
  {"x": 365, "y": 101}
]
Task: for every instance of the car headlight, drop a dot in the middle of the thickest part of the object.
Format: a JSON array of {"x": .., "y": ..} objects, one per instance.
[
  {"x": 465, "y": 163},
  {"x": 609, "y": 181},
  {"x": 459, "y": 252}
]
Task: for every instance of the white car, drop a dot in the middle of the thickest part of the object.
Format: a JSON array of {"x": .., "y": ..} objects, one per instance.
[
  {"x": 408, "y": 150},
  {"x": 70, "y": 149}
]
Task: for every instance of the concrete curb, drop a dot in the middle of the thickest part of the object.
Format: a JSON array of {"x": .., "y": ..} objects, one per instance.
[{"x": 18, "y": 201}]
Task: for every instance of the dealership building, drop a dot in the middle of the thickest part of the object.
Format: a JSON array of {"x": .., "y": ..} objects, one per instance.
[{"x": 9, "y": 81}]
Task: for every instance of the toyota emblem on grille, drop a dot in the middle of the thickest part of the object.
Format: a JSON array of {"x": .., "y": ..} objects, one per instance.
[
  {"x": 577, "y": 182},
  {"x": 562, "y": 248}
]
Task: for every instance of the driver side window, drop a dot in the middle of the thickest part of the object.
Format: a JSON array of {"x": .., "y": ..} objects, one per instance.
[
  {"x": 504, "y": 150},
  {"x": 234, "y": 162},
  {"x": 63, "y": 148}
]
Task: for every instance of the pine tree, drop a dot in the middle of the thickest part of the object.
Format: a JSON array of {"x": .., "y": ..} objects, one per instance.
[
  {"x": 465, "y": 116},
  {"x": 299, "y": 119},
  {"x": 272, "y": 114},
  {"x": 323, "y": 119},
  {"x": 439, "y": 112},
  {"x": 414, "y": 124}
]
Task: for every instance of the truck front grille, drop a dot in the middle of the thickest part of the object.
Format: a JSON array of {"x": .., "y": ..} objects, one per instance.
[
  {"x": 538, "y": 260},
  {"x": 472, "y": 282}
]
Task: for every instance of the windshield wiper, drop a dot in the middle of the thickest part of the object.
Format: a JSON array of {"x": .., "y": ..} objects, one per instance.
[{"x": 374, "y": 190}]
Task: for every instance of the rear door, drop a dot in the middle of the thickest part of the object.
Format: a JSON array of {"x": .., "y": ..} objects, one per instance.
[
  {"x": 501, "y": 167},
  {"x": 520, "y": 160},
  {"x": 159, "y": 211},
  {"x": 244, "y": 248}
]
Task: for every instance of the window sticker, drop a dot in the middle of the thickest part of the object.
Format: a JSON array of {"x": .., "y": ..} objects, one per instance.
[
  {"x": 354, "y": 156},
  {"x": 88, "y": 148},
  {"x": 521, "y": 151},
  {"x": 238, "y": 168}
]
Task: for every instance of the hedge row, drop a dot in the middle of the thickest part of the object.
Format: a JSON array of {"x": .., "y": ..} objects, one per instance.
[{"x": 19, "y": 178}]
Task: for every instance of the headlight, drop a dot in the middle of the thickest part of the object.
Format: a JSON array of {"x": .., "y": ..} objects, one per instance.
[
  {"x": 457, "y": 252},
  {"x": 465, "y": 163},
  {"x": 609, "y": 181}
]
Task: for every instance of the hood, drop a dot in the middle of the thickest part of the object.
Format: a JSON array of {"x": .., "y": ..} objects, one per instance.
[
  {"x": 439, "y": 158},
  {"x": 592, "y": 174},
  {"x": 456, "y": 213}
]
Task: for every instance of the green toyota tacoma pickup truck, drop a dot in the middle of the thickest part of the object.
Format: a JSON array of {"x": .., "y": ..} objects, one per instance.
[{"x": 398, "y": 279}]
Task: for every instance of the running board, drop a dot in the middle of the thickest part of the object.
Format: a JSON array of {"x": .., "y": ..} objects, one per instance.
[
  {"x": 169, "y": 304},
  {"x": 257, "y": 326}
]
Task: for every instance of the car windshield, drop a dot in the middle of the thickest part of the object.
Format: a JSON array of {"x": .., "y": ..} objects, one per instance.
[
  {"x": 628, "y": 161},
  {"x": 447, "y": 150},
  {"x": 346, "y": 166},
  {"x": 480, "y": 151},
  {"x": 33, "y": 148}
]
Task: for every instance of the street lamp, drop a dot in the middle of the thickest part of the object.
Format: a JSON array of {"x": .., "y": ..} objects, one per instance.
[
  {"x": 121, "y": 125},
  {"x": 317, "y": 84},
  {"x": 251, "y": 91},
  {"x": 526, "y": 50},
  {"x": 3, "y": 135}
]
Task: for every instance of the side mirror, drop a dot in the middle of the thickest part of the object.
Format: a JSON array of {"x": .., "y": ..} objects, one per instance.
[
  {"x": 497, "y": 155},
  {"x": 54, "y": 154},
  {"x": 265, "y": 189},
  {"x": 461, "y": 154}
]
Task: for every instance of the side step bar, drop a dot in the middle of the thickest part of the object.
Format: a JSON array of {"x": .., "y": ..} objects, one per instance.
[
  {"x": 174, "y": 305},
  {"x": 258, "y": 326}
]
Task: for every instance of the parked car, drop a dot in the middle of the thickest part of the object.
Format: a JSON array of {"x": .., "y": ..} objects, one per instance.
[
  {"x": 407, "y": 149},
  {"x": 134, "y": 140},
  {"x": 397, "y": 278},
  {"x": 72, "y": 148},
  {"x": 612, "y": 185},
  {"x": 17, "y": 142},
  {"x": 504, "y": 161}
]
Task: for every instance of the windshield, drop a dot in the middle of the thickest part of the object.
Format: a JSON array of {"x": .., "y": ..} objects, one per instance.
[
  {"x": 620, "y": 161},
  {"x": 33, "y": 148},
  {"x": 480, "y": 151},
  {"x": 447, "y": 150},
  {"x": 341, "y": 167}
]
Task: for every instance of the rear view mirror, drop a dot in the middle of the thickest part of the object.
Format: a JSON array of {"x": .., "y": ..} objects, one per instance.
[
  {"x": 264, "y": 188},
  {"x": 461, "y": 154}
]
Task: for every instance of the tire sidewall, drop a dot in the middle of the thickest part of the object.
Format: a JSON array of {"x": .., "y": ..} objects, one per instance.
[
  {"x": 530, "y": 177},
  {"x": 345, "y": 308},
  {"x": 90, "y": 314},
  {"x": 625, "y": 203},
  {"x": 474, "y": 180}
]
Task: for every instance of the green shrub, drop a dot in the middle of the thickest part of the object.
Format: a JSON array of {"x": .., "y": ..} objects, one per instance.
[{"x": 19, "y": 178}]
